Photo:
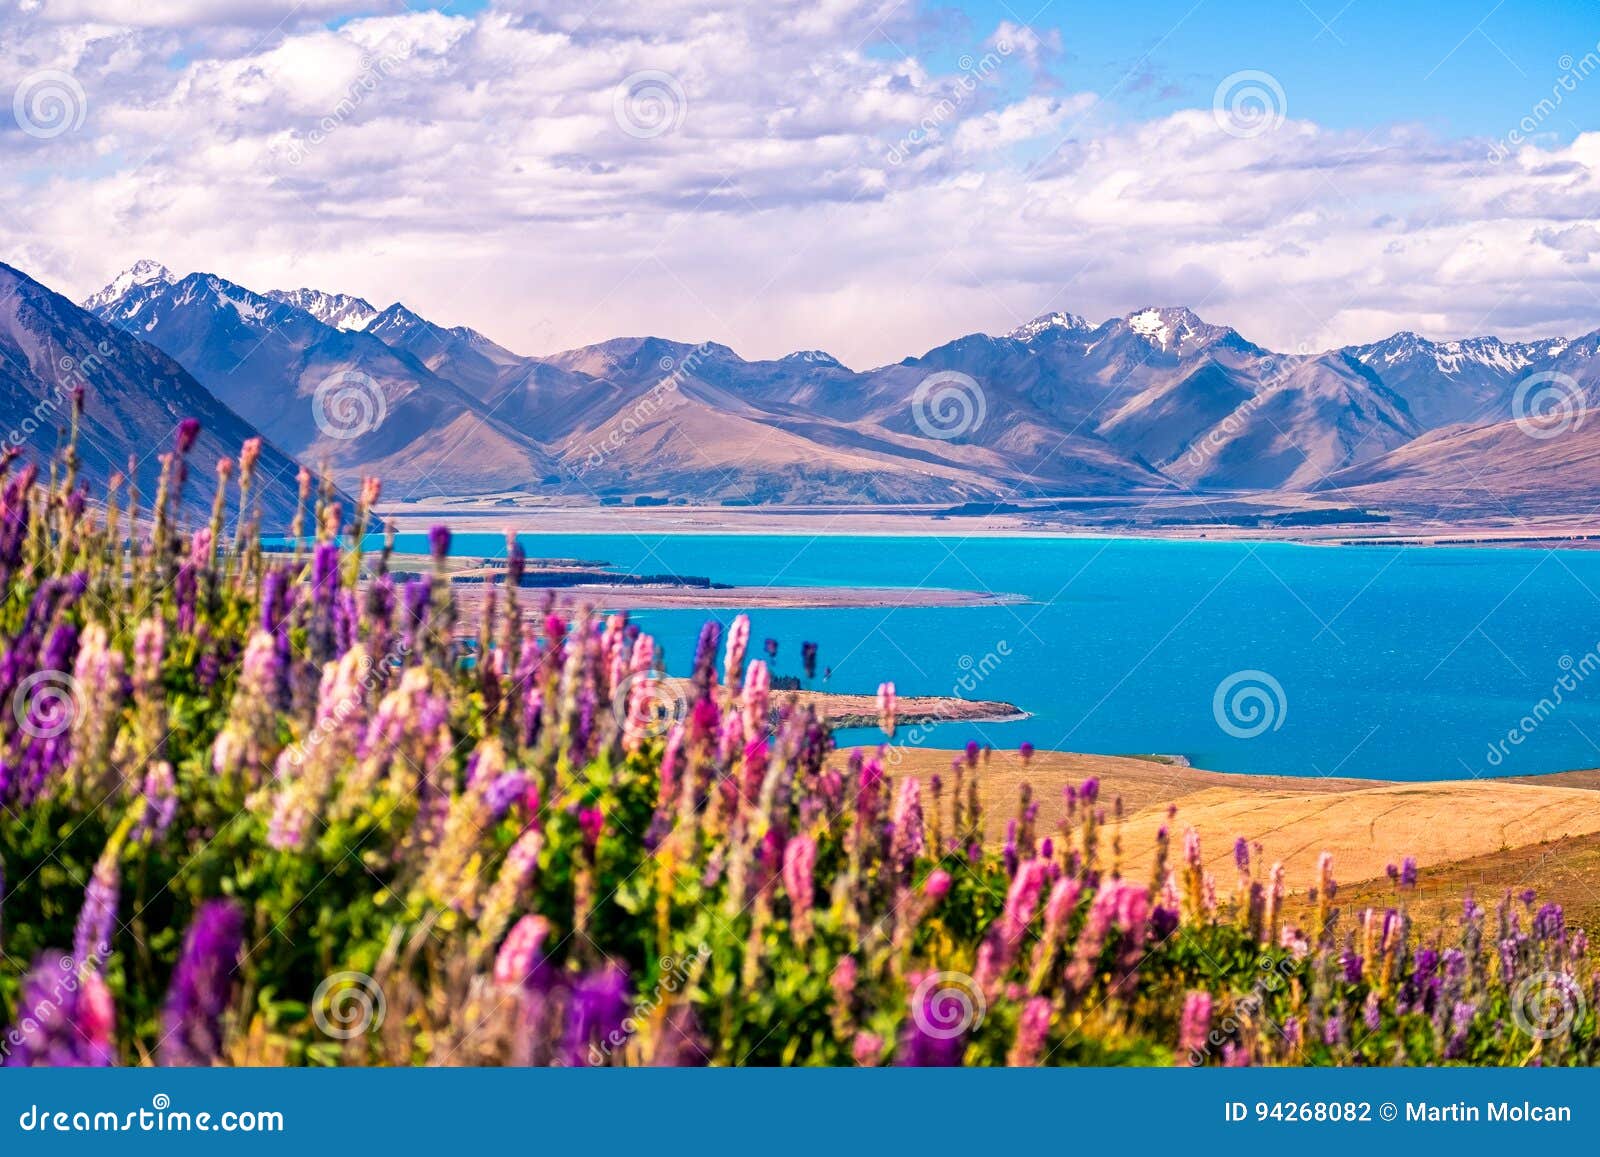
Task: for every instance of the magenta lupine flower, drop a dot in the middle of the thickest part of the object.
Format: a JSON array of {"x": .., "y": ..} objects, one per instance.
[
  {"x": 202, "y": 985},
  {"x": 1195, "y": 1024},
  {"x": 842, "y": 980},
  {"x": 937, "y": 886},
  {"x": 65, "y": 1018},
  {"x": 738, "y": 644},
  {"x": 592, "y": 823},
  {"x": 972, "y": 750},
  {"x": 1026, "y": 751},
  {"x": 886, "y": 708},
  {"x": 771, "y": 648},
  {"x": 439, "y": 543},
  {"x": 1033, "y": 1026},
  {"x": 188, "y": 433}
]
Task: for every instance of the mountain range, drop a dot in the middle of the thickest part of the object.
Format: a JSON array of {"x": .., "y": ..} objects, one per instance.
[{"x": 1156, "y": 402}]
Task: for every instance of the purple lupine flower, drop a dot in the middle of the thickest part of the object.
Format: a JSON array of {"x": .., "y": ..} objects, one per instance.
[
  {"x": 1241, "y": 854},
  {"x": 598, "y": 1007},
  {"x": 516, "y": 561},
  {"x": 1372, "y": 1014},
  {"x": 65, "y": 1018},
  {"x": 202, "y": 984},
  {"x": 324, "y": 573},
  {"x": 439, "y": 543},
  {"x": 1460, "y": 1025},
  {"x": 1026, "y": 751},
  {"x": 808, "y": 659},
  {"x": 1333, "y": 1031},
  {"x": 935, "y": 1035},
  {"x": 771, "y": 648},
  {"x": 91, "y": 942},
  {"x": 1353, "y": 965},
  {"x": 505, "y": 790},
  {"x": 1408, "y": 872}
]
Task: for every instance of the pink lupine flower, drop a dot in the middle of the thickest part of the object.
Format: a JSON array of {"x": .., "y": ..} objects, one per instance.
[
  {"x": 1195, "y": 1025},
  {"x": 866, "y": 1049},
  {"x": 1032, "y": 1029},
  {"x": 733, "y": 660},
  {"x": 799, "y": 862},
  {"x": 756, "y": 697},
  {"x": 522, "y": 952},
  {"x": 886, "y": 708},
  {"x": 937, "y": 886}
]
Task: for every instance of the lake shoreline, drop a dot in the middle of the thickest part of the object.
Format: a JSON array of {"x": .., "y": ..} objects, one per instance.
[{"x": 1559, "y": 532}]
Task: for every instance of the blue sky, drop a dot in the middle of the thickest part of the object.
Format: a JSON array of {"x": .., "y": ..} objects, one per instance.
[
  {"x": 795, "y": 174},
  {"x": 1463, "y": 67}
]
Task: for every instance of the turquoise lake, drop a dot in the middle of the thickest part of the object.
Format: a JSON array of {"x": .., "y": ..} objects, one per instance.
[{"x": 1387, "y": 662}]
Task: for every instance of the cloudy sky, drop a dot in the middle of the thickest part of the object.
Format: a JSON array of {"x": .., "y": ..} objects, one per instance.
[{"x": 870, "y": 177}]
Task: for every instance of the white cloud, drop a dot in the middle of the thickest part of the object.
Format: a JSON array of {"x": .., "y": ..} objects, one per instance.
[{"x": 814, "y": 189}]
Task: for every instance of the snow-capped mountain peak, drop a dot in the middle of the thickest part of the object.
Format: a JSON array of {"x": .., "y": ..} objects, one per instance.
[
  {"x": 812, "y": 358},
  {"x": 1453, "y": 358},
  {"x": 1167, "y": 329},
  {"x": 340, "y": 310},
  {"x": 141, "y": 273},
  {"x": 1046, "y": 322}
]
